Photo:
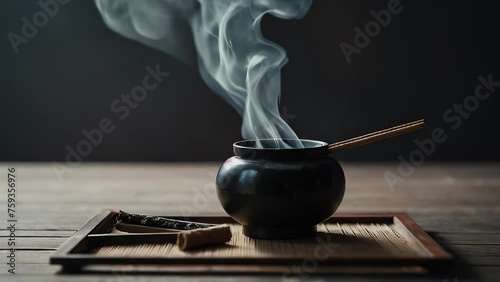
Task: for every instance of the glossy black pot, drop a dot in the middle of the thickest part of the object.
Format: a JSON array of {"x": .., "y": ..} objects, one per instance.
[{"x": 280, "y": 193}]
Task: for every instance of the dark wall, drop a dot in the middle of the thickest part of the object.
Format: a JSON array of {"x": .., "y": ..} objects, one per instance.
[{"x": 428, "y": 58}]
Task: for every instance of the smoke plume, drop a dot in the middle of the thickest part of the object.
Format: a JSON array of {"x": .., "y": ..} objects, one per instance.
[{"x": 233, "y": 57}]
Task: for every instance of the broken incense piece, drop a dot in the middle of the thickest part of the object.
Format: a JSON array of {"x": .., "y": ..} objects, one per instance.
[
  {"x": 158, "y": 221},
  {"x": 202, "y": 237}
]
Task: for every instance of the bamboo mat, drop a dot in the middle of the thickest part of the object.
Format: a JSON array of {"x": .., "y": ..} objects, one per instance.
[{"x": 346, "y": 240}]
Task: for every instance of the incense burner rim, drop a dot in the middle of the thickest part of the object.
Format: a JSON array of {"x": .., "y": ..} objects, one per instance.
[{"x": 247, "y": 149}]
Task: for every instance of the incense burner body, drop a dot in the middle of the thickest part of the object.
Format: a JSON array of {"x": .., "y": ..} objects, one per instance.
[{"x": 280, "y": 193}]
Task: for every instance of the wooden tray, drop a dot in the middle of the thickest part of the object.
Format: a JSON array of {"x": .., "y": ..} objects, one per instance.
[{"x": 344, "y": 243}]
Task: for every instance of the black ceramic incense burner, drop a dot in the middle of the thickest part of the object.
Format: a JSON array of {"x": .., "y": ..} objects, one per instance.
[{"x": 280, "y": 193}]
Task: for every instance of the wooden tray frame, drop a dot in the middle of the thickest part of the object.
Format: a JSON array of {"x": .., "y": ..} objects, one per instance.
[{"x": 74, "y": 253}]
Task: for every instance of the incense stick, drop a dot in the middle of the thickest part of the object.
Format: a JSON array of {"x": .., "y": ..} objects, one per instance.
[
  {"x": 378, "y": 132},
  {"x": 376, "y": 136}
]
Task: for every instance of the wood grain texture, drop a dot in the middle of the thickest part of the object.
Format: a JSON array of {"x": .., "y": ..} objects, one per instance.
[{"x": 456, "y": 203}]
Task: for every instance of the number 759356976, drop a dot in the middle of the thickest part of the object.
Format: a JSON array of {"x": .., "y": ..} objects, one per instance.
[{"x": 11, "y": 192}]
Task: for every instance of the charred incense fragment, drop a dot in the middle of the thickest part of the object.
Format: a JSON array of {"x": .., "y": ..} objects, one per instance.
[
  {"x": 203, "y": 237},
  {"x": 158, "y": 221}
]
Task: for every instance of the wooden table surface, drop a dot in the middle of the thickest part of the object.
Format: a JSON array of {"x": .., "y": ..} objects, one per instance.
[{"x": 457, "y": 204}]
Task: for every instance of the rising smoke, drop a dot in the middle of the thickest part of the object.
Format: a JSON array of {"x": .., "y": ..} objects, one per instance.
[{"x": 233, "y": 57}]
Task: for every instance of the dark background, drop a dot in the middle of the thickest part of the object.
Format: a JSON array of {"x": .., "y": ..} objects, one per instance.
[{"x": 427, "y": 59}]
